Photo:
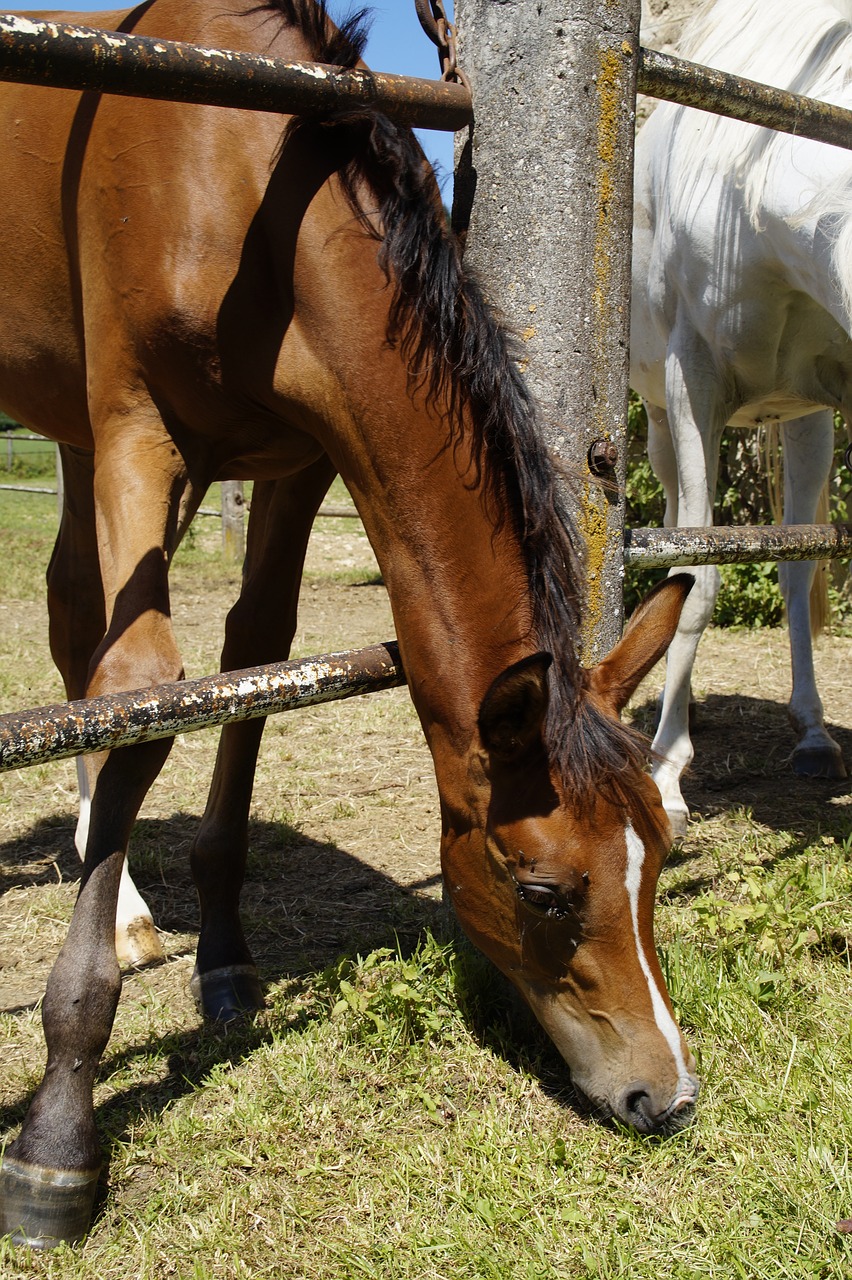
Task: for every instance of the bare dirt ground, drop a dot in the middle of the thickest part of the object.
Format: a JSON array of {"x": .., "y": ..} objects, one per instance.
[{"x": 344, "y": 834}]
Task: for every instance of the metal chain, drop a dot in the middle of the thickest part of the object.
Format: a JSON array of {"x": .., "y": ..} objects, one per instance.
[{"x": 442, "y": 33}]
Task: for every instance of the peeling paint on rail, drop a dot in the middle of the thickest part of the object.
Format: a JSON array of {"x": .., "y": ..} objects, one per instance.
[
  {"x": 124, "y": 719},
  {"x": 75, "y": 57},
  {"x": 738, "y": 544}
]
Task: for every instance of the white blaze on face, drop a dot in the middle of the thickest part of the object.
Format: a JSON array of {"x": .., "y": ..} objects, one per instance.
[{"x": 662, "y": 1017}]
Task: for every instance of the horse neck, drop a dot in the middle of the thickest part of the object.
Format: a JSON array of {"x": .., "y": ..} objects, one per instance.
[{"x": 455, "y": 576}]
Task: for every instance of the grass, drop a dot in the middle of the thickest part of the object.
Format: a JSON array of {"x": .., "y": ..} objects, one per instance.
[
  {"x": 384, "y": 1119},
  {"x": 390, "y": 1114}
]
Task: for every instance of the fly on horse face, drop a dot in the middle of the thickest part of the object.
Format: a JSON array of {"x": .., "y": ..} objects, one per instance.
[
  {"x": 192, "y": 294},
  {"x": 742, "y": 314}
]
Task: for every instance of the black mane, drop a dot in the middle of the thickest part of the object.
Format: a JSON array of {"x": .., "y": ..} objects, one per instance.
[
  {"x": 341, "y": 46},
  {"x": 461, "y": 355}
]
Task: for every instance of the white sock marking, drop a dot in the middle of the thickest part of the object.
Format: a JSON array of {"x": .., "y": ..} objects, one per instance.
[
  {"x": 82, "y": 833},
  {"x": 131, "y": 905}
]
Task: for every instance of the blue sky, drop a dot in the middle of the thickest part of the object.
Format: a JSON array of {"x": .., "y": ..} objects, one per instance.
[{"x": 397, "y": 43}]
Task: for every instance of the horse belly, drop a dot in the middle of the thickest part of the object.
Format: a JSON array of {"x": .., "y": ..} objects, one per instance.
[
  {"x": 777, "y": 407},
  {"x": 42, "y": 382}
]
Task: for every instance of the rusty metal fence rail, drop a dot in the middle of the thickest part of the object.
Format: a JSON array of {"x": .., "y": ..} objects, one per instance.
[
  {"x": 85, "y": 58},
  {"x": 69, "y": 56},
  {"x": 122, "y": 720}
]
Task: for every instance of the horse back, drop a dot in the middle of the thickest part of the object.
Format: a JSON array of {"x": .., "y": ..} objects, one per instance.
[{"x": 125, "y": 223}]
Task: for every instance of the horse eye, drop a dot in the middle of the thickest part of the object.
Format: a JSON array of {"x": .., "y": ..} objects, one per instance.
[{"x": 543, "y": 900}]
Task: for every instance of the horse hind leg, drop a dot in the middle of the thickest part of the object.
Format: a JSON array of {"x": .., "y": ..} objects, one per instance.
[
  {"x": 77, "y": 625},
  {"x": 808, "y": 452},
  {"x": 259, "y": 629}
]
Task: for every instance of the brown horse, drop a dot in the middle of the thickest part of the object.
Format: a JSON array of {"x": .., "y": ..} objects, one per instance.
[{"x": 192, "y": 293}]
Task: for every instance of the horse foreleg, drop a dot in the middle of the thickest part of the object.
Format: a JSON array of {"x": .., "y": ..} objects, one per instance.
[
  {"x": 260, "y": 628},
  {"x": 49, "y": 1175},
  {"x": 672, "y": 745},
  {"x": 137, "y": 943},
  {"x": 808, "y": 451},
  {"x": 661, "y": 455},
  {"x": 77, "y": 624},
  {"x": 50, "y": 1172}
]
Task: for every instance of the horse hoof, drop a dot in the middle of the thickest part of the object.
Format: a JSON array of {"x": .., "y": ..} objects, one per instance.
[
  {"x": 819, "y": 762},
  {"x": 43, "y": 1208},
  {"x": 225, "y": 994},
  {"x": 678, "y": 824},
  {"x": 138, "y": 945}
]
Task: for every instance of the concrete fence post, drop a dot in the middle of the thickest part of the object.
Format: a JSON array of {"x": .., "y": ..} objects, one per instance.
[
  {"x": 233, "y": 522},
  {"x": 544, "y": 198}
]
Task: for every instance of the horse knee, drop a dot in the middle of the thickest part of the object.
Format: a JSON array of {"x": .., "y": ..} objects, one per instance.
[{"x": 143, "y": 653}]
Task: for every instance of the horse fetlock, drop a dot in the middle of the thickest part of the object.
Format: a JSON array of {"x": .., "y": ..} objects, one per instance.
[
  {"x": 667, "y": 778},
  {"x": 43, "y": 1207}
]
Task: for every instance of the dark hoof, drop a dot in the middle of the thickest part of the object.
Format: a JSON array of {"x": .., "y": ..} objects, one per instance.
[
  {"x": 226, "y": 994},
  {"x": 819, "y": 762},
  {"x": 44, "y": 1207}
]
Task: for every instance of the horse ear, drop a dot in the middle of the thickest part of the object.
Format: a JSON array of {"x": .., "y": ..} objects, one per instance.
[
  {"x": 512, "y": 712},
  {"x": 647, "y": 636}
]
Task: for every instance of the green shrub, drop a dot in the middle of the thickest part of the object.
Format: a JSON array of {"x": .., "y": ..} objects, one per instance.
[
  {"x": 389, "y": 1001},
  {"x": 22, "y": 458},
  {"x": 749, "y": 596}
]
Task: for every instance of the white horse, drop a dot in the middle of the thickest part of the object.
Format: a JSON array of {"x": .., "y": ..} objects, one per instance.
[{"x": 742, "y": 311}]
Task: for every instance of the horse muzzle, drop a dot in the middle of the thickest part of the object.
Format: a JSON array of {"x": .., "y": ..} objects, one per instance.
[{"x": 641, "y": 1107}]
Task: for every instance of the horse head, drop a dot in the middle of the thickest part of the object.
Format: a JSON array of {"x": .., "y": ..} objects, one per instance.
[{"x": 563, "y": 900}]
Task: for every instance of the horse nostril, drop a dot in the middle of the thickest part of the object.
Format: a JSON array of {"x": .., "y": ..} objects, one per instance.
[
  {"x": 641, "y": 1108},
  {"x": 635, "y": 1104}
]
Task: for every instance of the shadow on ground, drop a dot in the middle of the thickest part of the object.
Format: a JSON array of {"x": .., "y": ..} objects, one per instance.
[
  {"x": 306, "y": 905},
  {"x": 743, "y": 751}
]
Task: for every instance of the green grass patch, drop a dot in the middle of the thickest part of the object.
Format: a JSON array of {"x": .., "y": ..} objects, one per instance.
[{"x": 384, "y": 1120}]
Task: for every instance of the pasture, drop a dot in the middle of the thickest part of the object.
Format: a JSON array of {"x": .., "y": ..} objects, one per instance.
[{"x": 388, "y": 1115}]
